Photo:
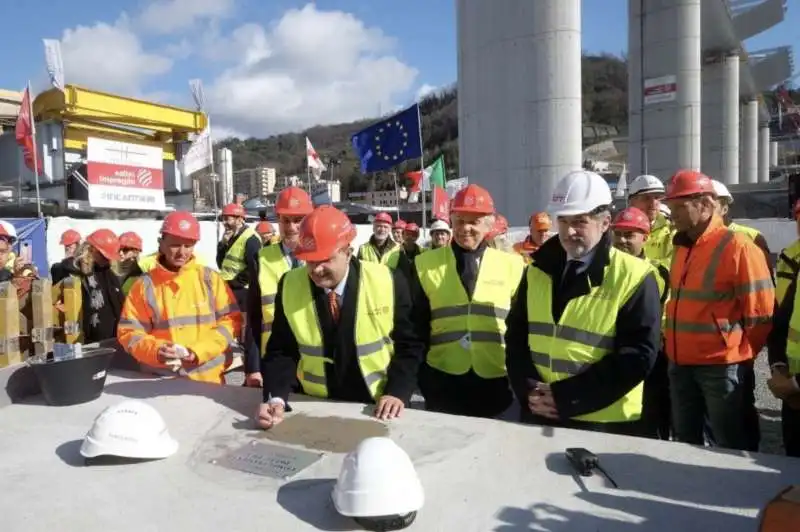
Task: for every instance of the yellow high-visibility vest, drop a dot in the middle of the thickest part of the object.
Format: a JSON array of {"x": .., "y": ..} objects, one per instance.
[
  {"x": 585, "y": 333},
  {"x": 234, "y": 263},
  {"x": 272, "y": 265},
  {"x": 368, "y": 253},
  {"x": 469, "y": 334},
  {"x": 373, "y": 328},
  {"x": 787, "y": 269},
  {"x": 745, "y": 230},
  {"x": 793, "y": 337},
  {"x": 658, "y": 246}
]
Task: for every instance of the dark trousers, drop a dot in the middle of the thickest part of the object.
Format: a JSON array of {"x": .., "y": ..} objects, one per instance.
[
  {"x": 750, "y": 417},
  {"x": 656, "y": 419},
  {"x": 464, "y": 395},
  {"x": 252, "y": 357},
  {"x": 790, "y": 425}
]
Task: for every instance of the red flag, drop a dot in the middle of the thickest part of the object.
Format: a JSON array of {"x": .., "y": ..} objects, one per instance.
[
  {"x": 440, "y": 205},
  {"x": 24, "y": 133},
  {"x": 416, "y": 180}
]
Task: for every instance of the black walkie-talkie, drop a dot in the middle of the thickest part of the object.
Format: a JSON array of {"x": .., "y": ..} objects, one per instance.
[{"x": 585, "y": 462}]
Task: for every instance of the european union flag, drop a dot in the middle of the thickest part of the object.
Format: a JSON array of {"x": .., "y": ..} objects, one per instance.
[{"x": 389, "y": 142}]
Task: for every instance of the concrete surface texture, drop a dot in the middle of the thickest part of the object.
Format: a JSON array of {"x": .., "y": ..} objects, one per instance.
[
  {"x": 478, "y": 474},
  {"x": 720, "y": 118},
  {"x": 519, "y": 98}
]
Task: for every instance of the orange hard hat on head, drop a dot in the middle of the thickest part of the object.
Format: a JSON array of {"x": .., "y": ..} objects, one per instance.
[
  {"x": 130, "y": 240},
  {"x": 293, "y": 201},
  {"x": 322, "y": 233},
  {"x": 400, "y": 224},
  {"x": 382, "y": 217},
  {"x": 70, "y": 237},
  {"x": 631, "y": 219},
  {"x": 689, "y": 183},
  {"x": 264, "y": 227},
  {"x": 473, "y": 199},
  {"x": 233, "y": 209},
  {"x": 412, "y": 228},
  {"x": 541, "y": 221},
  {"x": 106, "y": 242},
  {"x": 181, "y": 224}
]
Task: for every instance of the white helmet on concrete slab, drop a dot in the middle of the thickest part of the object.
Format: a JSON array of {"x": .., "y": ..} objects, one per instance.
[
  {"x": 378, "y": 483},
  {"x": 579, "y": 192},
  {"x": 646, "y": 184},
  {"x": 130, "y": 429},
  {"x": 722, "y": 191}
]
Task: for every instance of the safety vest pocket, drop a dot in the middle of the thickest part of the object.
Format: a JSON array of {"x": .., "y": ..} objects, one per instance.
[{"x": 729, "y": 332}]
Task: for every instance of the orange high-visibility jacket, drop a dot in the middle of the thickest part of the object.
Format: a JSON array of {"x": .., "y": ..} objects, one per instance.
[
  {"x": 525, "y": 248},
  {"x": 193, "y": 307},
  {"x": 722, "y": 299}
]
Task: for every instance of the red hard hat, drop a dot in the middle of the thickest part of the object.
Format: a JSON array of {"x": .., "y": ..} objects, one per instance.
[
  {"x": 293, "y": 201},
  {"x": 411, "y": 227},
  {"x": 233, "y": 209},
  {"x": 106, "y": 242},
  {"x": 181, "y": 224},
  {"x": 130, "y": 240},
  {"x": 322, "y": 233},
  {"x": 631, "y": 219},
  {"x": 382, "y": 217},
  {"x": 472, "y": 199},
  {"x": 264, "y": 227},
  {"x": 69, "y": 237},
  {"x": 689, "y": 183},
  {"x": 399, "y": 224}
]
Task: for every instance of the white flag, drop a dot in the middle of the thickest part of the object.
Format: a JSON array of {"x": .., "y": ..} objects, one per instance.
[
  {"x": 55, "y": 62},
  {"x": 198, "y": 155},
  {"x": 199, "y": 96},
  {"x": 454, "y": 185},
  {"x": 315, "y": 164},
  {"x": 622, "y": 183}
]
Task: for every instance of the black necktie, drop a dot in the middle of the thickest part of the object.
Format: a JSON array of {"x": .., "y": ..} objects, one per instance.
[{"x": 570, "y": 272}]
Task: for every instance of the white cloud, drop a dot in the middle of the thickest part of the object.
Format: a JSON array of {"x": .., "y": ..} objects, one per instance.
[
  {"x": 109, "y": 57},
  {"x": 312, "y": 67},
  {"x": 425, "y": 90},
  {"x": 169, "y": 16}
]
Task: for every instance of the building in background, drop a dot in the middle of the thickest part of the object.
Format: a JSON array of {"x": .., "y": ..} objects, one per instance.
[
  {"x": 380, "y": 198},
  {"x": 254, "y": 182}
]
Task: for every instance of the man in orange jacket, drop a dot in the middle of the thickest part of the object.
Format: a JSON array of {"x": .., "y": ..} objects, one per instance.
[
  {"x": 718, "y": 317},
  {"x": 180, "y": 317},
  {"x": 539, "y": 226}
]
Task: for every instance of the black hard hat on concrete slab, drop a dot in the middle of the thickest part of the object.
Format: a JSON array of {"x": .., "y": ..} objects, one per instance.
[{"x": 73, "y": 381}]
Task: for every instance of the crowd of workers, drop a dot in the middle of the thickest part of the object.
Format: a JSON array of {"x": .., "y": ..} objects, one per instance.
[{"x": 642, "y": 322}]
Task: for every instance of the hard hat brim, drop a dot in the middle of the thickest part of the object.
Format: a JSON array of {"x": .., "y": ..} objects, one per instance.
[
  {"x": 314, "y": 256},
  {"x": 164, "y": 449},
  {"x": 649, "y": 190}
]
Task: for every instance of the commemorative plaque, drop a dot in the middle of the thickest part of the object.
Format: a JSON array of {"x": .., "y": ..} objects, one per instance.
[{"x": 268, "y": 460}]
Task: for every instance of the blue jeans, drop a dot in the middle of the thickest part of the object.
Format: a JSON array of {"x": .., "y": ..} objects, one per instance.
[{"x": 715, "y": 392}]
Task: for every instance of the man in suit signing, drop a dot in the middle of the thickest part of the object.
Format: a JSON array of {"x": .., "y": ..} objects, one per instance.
[{"x": 344, "y": 328}]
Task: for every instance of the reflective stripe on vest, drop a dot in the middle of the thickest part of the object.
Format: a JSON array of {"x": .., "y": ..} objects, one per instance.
[
  {"x": 207, "y": 316},
  {"x": 390, "y": 257},
  {"x": 272, "y": 266},
  {"x": 468, "y": 334},
  {"x": 787, "y": 269},
  {"x": 234, "y": 262},
  {"x": 586, "y": 331},
  {"x": 373, "y": 327}
]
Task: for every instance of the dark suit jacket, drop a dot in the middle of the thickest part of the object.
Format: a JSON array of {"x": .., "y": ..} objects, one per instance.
[{"x": 344, "y": 379}]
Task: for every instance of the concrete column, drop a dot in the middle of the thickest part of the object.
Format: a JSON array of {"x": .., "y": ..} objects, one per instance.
[
  {"x": 763, "y": 153},
  {"x": 520, "y": 107},
  {"x": 749, "y": 143},
  {"x": 720, "y": 139},
  {"x": 773, "y": 154}
]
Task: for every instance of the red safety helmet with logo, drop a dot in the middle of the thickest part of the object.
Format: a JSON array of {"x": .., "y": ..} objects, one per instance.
[
  {"x": 130, "y": 240},
  {"x": 473, "y": 199},
  {"x": 293, "y": 201},
  {"x": 181, "y": 224},
  {"x": 400, "y": 224},
  {"x": 689, "y": 183},
  {"x": 233, "y": 209},
  {"x": 70, "y": 237},
  {"x": 412, "y": 228},
  {"x": 382, "y": 217},
  {"x": 631, "y": 219},
  {"x": 322, "y": 233},
  {"x": 106, "y": 242},
  {"x": 264, "y": 228}
]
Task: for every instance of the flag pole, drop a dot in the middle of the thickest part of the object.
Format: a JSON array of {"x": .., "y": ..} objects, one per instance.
[
  {"x": 396, "y": 193},
  {"x": 35, "y": 152},
  {"x": 215, "y": 177},
  {"x": 422, "y": 170}
]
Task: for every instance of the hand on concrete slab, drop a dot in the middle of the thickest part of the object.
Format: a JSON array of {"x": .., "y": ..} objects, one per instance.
[
  {"x": 168, "y": 352},
  {"x": 253, "y": 380},
  {"x": 541, "y": 402},
  {"x": 389, "y": 407},
  {"x": 269, "y": 415},
  {"x": 782, "y": 385}
]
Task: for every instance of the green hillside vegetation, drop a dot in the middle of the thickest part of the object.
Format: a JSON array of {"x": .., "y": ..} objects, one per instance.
[{"x": 605, "y": 101}]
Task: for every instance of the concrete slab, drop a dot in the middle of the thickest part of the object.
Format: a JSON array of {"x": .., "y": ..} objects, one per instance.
[{"x": 478, "y": 474}]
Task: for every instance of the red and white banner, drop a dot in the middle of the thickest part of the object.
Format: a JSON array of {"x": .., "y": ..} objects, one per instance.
[{"x": 122, "y": 175}]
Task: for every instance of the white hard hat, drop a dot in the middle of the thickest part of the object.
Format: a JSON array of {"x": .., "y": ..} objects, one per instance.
[
  {"x": 664, "y": 209},
  {"x": 645, "y": 184},
  {"x": 579, "y": 192},
  {"x": 8, "y": 229},
  {"x": 130, "y": 429},
  {"x": 440, "y": 225},
  {"x": 378, "y": 480},
  {"x": 721, "y": 190}
]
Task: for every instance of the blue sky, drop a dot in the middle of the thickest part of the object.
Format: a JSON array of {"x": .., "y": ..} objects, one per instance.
[{"x": 262, "y": 70}]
